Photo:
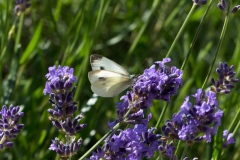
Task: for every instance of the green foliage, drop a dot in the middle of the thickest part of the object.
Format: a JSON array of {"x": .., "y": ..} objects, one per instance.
[{"x": 67, "y": 32}]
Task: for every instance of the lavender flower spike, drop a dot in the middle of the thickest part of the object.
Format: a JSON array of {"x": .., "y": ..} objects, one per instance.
[
  {"x": 64, "y": 150},
  {"x": 158, "y": 82},
  {"x": 195, "y": 122},
  {"x": 226, "y": 79},
  {"x": 21, "y": 6},
  {"x": 9, "y": 127},
  {"x": 61, "y": 89}
]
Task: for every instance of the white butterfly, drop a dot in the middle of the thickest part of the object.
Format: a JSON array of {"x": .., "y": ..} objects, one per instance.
[{"x": 108, "y": 79}]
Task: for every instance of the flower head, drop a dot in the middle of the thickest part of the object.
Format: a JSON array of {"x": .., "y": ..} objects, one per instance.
[
  {"x": 64, "y": 150},
  {"x": 132, "y": 143},
  {"x": 235, "y": 9},
  {"x": 157, "y": 82},
  {"x": 9, "y": 127},
  {"x": 195, "y": 122},
  {"x": 226, "y": 79},
  {"x": 223, "y": 7},
  {"x": 61, "y": 91},
  {"x": 60, "y": 79}
]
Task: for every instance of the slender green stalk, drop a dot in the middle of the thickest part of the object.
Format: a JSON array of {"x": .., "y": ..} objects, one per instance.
[
  {"x": 170, "y": 50},
  {"x": 4, "y": 37},
  {"x": 235, "y": 120},
  {"x": 95, "y": 145},
  {"x": 218, "y": 48},
  {"x": 236, "y": 128},
  {"x": 161, "y": 115},
  {"x": 155, "y": 5},
  {"x": 19, "y": 32},
  {"x": 196, "y": 34},
  {"x": 184, "y": 151},
  {"x": 181, "y": 30},
  {"x": 178, "y": 148},
  {"x": 10, "y": 84},
  {"x": 105, "y": 136},
  {"x": 218, "y": 138}
]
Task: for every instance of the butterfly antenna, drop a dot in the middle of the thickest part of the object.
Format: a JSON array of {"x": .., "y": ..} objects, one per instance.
[{"x": 141, "y": 64}]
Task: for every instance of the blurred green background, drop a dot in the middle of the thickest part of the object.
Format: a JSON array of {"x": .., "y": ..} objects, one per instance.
[{"x": 67, "y": 32}]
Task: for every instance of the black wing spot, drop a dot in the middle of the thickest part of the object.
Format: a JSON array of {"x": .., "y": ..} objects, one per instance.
[
  {"x": 102, "y": 68},
  {"x": 101, "y": 78}
]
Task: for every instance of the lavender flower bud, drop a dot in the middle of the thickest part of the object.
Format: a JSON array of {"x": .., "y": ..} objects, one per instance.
[
  {"x": 226, "y": 79},
  {"x": 200, "y": 2},
  {"x": 9, "y": 127},
  {"x": 235, "y": 9}
]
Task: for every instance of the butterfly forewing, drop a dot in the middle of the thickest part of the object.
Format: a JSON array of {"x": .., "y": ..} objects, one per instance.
[
  {"x": 95, "y": 75},
  {"x": 99, "y": 62}
]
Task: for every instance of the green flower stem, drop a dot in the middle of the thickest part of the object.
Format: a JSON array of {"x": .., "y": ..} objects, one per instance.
[
  {"x": 172, "y": 46},
  {"x": 105, "y": 136},
  {"x": 235, "y": 120},
  {"x": 196, "y": 34},
  {"x": 218, "y": 138},
  {"x": 155, "y": 5},
  {"x": 188, "y": 54},
  {"x": 3, "y": 139},
  {"x": 161, "y": 115},
  {"x": 218, "y": 48},
  {"x": 184, "y": 151},
  {"x": 177, "y": 152},
  {"x": 181, "y": 30},
  {"x": 19, "y": 32}
]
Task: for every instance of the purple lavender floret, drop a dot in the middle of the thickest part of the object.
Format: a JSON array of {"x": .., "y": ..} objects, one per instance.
[
  {"x": 60, "y": 89},
  {"x": 167, "y": 150},
  {"x": 157, "y": 82},
  {"x": 21, "y": 6},
  {"x": 199, "y": 2},
  {"x": 226, "y": 79},
  {"x": 64, "y": 150},
  {"x": 235, "y": 9},
  {"x": 223, "y": 7},
  {"x": 132, "y": 144},
  {"x": 195, "y": 122},
  {"x": 227, "y": 139},
  {"x": 60, "y": 79},
  {"x": 9, "y": 127},
  {"x": 70, "y": 127}
]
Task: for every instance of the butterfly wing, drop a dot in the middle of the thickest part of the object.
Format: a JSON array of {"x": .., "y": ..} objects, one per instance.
[
  {"x": 99, "y": 62},
  {"x": 96, "y": 75},
  {"x": 110, "y": 86}
]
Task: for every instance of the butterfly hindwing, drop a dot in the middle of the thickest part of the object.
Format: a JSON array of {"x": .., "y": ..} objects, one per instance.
[{"x": 110, "y": 86}]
